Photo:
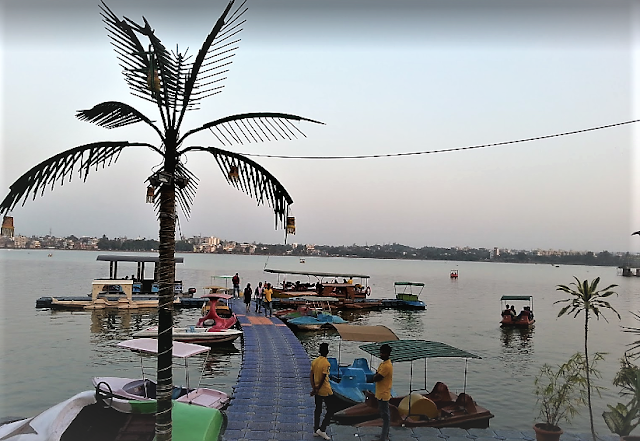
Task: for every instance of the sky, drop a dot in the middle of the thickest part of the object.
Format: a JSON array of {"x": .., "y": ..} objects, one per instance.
[{"x": 384, "y": 78}]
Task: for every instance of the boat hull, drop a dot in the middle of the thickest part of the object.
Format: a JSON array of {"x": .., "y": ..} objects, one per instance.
[
  {"x": 194, "y": 334},
  {"x": 82, "y": 418}
]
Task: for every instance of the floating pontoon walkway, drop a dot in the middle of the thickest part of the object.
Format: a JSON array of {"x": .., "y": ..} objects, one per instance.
[{"x": 271, "y": 399}]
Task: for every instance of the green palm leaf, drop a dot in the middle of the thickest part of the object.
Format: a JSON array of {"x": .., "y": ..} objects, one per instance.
[{"x": 62, "y": 166}]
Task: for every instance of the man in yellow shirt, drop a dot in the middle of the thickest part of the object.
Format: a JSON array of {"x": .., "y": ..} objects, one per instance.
[
  {"x": 383, "y": 380},
  {"x": 268, "y": 292},
  {"x": 321, "y": 391}
]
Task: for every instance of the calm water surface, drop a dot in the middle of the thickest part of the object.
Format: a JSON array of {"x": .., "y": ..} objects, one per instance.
[{"x": 49, "y": 355}]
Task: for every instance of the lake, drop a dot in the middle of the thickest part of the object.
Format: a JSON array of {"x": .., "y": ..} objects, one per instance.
[{"x": 47, "y": 356}]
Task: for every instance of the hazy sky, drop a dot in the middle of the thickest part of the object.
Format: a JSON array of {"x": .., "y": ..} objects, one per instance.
[{"x": 385, "y": 77}]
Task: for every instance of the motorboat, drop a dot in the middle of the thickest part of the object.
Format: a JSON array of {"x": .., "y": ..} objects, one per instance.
[
  {"x": 194, "y": 334},
  {"x": 316, "y": 284},
  {"x": 510, "y": 319},
  {"x": 437, "y": 408},
  {"x": 85, "y": 416},
  {"x": 407, "y": 296},
  {"x": 119, "y": 391}
]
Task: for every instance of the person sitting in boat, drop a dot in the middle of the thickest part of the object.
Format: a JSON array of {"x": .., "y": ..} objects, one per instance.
[
  {"x": 525, "y": 313},
  {"x": 508, "y": 312},
  {"x": 529, "y": 312}
]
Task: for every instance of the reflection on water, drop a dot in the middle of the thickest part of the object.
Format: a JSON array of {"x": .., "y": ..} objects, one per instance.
[{"x": 517, "y": 349}]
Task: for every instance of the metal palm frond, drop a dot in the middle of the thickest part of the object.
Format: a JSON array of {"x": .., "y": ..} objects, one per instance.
[
  {"x": 135, "y": 61},
  {"x": 214, "y": 56},
  {"x": 251, "y": 178},
  {"x": 186, "y": 186},
  {"x": 253, "y": 127},
  {"x": 112, "y": 114},
  {"x": 62, "y": 166}
]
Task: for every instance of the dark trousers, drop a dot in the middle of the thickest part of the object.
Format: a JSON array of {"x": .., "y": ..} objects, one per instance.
[
  {"x": 383, "y": 407},
  {"x": 328, "y": 402},
  {"x": 258, "y": 305},
  {"x": 267, "y": 305}
]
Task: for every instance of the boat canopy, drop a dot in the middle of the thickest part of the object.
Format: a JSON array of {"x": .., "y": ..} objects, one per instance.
[
  {"x": 130, "y": 258},
  {"x": 374, "y": 333},
  {"x": 150, "y": 346},
  {"x": 528, "y": 298},
  {"x": 316, "y": 274},
  {"x": 409, "y": 284},
  {"x": 410, "y": 350}
]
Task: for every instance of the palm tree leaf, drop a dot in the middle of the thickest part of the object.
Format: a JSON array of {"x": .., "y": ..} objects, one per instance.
[
  {"x": 61, "y": 167},
  {"x": 112, "y": 114},
  {"x": 134, "y": 60},
  {"x": 200, "y": 84},
  {"x": 252, "y": 179},
  {"x": 253, "y": 127}
]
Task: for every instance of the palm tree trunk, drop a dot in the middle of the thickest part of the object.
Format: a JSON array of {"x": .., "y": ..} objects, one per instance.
[
  {"x": 586, "y": 364},
  {"x": 166, "y": 280}
]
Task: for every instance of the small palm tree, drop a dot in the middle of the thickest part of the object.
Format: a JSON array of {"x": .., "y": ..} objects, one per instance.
[
  {"x": 586, "y": 298},
  {"x": 175, "y": 83}
]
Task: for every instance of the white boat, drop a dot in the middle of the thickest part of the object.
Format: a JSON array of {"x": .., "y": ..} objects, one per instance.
[
  {"x": 194, "y": 334},
  {"x": 82, "y": 417},
  {"x": 120, "y": 391}
]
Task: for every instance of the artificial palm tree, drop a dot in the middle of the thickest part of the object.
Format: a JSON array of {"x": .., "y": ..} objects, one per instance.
[
  {"x": 587, "y": 298},
  {"x": 175, "y": 83}
]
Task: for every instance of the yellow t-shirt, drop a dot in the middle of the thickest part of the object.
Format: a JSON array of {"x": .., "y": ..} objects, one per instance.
[
  {"x": 267, "y": 295},
  {"x": 383, "y": 387},
  {"x": 321, "y": 366}
]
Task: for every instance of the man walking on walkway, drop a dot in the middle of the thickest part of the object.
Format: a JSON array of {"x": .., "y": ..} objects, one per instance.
[
  {"x": 236, "y": 285},
  {"x": 321, "y": 391},
  {"x": 267, "y": 293},
  {"x": 383, "y": 380},
  {"x": 258, "y": 297}
]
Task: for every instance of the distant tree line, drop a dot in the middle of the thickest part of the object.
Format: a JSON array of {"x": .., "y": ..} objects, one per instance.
[{"x": 119, "y": 244}]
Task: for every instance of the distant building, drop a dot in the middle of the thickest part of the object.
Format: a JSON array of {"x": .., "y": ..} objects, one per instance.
[{"x": 7, "y": 227}]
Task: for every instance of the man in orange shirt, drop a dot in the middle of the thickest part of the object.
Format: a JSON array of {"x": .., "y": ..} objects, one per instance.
[
  {"x": 321, "y": 391},
  {"x": 266, "y": 300},
  {"x": 383, "y": 380}
]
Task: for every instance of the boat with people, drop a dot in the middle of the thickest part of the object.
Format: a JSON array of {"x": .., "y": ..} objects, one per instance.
[
  {"x": 407, "y": 296},
  {"x": 118, "y": 392},
  {"x": 87, "y": 416},
  {"x": 284, "y": 288},
  {"x": 437, "y": 408},
  {"x": 453, "y": 274},
  {"x": 511, "y": 319}
]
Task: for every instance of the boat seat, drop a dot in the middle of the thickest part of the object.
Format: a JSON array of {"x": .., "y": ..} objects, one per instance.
[
  {"x": 357, "y": 373},
  {"x": 139, "y": 387},
  {"x": 361, "y": 363},
  {"x": 418, "y": 405},
  {"x": 333, "y": 367}
]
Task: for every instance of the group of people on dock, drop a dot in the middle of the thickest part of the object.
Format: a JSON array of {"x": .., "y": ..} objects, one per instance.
[
  {"x": 322, "y": 392},
  {"x": 262, "y": 296}
]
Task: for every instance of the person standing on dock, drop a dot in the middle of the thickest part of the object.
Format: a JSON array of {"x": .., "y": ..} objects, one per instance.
[
  {"x": 321, "y": 391},
  {"x": 267, "y": 293},
  {"x": 247, "y": 297},
  {"x": 236, "y": 285},
  {"x": 383, "y": 380},
  {"x": 258, "y": 297}
]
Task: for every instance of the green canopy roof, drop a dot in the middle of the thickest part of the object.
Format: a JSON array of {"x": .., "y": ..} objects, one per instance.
[
  {"x": 409, "y": 284},
  {"x": 409, "y": 350},
  {"x": 529, "y": 298}
]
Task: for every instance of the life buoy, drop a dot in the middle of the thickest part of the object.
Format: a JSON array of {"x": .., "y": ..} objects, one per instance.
[{"x": 368, "y": 291}]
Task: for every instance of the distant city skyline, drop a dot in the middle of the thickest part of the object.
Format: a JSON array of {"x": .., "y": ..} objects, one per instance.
[{"x": 385, "y": 79}]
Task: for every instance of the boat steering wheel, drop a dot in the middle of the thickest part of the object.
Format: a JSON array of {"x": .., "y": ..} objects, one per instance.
[{"x": 102, "y": 395}]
